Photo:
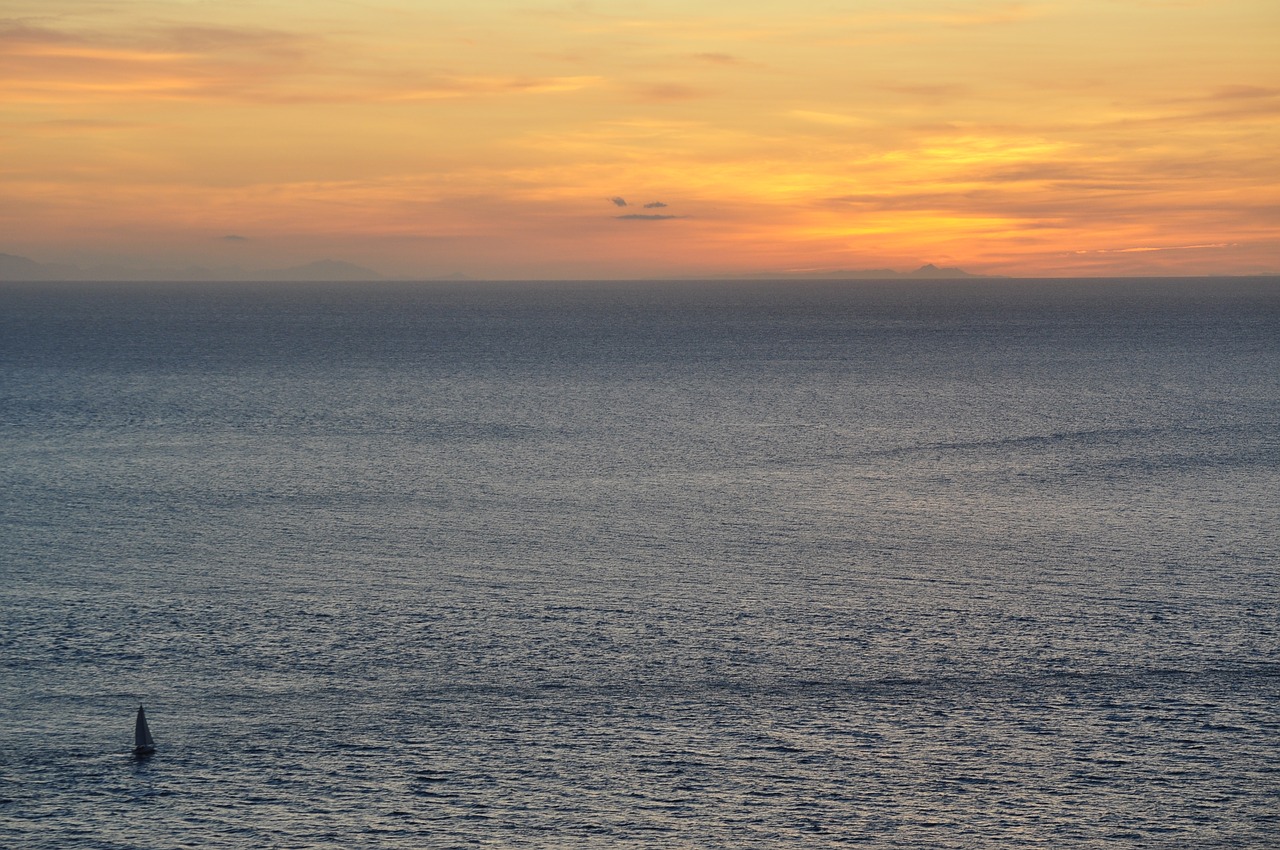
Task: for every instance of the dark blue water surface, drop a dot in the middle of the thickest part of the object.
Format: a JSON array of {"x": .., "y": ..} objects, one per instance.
[{"x": 953, "y": 565}]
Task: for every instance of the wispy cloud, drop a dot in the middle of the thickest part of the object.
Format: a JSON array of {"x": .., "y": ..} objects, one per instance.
[
  {"x": 834, "y": 119},
  {"x": 1240, "y": 92},
  {"x": 43, "y": 64},
  {"x": 83, "y": 125},
  {"x": 951, "y": 16},
  {"x": 444, "y": 88},
  {"x": 227, "y": 63},
  {"x": 669, "y": 92},
  {"x": 935, "y": 94},
  {"x": 718, "y": 58},
  {"x": 1148, "y": 249}
]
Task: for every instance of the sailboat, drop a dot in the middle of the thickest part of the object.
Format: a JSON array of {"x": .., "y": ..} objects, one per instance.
[{"x": 143, "y": 745}]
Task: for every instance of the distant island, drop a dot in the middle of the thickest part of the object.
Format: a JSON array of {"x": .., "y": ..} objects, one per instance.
[
  {"x": 16, "y": 268},
  {"x": 928, "y": 272},
  {"x": 322, "y": 270},
  {"x": 13, "y": 267}
]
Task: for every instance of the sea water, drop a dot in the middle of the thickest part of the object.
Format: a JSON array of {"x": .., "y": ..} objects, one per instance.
[{"x": 718, "y": 565}]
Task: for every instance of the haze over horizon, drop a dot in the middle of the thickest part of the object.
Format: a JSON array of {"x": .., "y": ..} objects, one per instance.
[{"x": 502, "y": 140}]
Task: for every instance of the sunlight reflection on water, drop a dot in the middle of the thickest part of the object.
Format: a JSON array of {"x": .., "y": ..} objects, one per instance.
[{"x": 438, "y": 566}]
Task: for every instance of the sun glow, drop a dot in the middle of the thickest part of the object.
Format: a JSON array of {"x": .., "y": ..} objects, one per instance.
[{"x": 489, "y": 138}]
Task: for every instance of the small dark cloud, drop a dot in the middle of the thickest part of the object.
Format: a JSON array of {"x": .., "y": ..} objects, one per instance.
[
  {"x": 219, "y": 39},
  {"x": 718, "y": 58},
  {"x": 231, "y": 237},
  {"x": 1242, "y": 92},
  {"x": 933, "y": 94},
  {"x": 643, "y": 217},
  {"x": 619, "y": 202},
  {"x": 14, "y": 31},
  {"x": 82, "y": 124},
  {"x": 670, "y": 91},
  {"x": 654, "y": 205}
]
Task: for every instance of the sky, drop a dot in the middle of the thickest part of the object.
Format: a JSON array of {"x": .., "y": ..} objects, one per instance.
[{"x": 542, "y": 139}]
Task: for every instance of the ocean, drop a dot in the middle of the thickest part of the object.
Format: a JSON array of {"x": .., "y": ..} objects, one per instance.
[{"x": 978, "y": 564}]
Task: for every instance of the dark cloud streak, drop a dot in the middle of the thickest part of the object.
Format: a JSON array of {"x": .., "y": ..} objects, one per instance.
[
  {"x": 718, "y": 58},
  {"x": 664, "y": 92}
]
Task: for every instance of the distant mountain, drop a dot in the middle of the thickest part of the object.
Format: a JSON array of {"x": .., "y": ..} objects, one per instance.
[
  {"x": 328, "y": 270},
  {"x": 927, "y": 271},
  {"x": 930, "y": 270},
  {"x": 16, "y": 268},
  {"x": 13, "y": 267}
]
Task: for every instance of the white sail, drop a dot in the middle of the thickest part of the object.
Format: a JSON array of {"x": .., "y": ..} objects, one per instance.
[{"x": 142, "y": 742}]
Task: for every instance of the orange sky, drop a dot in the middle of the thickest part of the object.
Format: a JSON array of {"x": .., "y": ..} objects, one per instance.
[{"x": 488, "y": 138}]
